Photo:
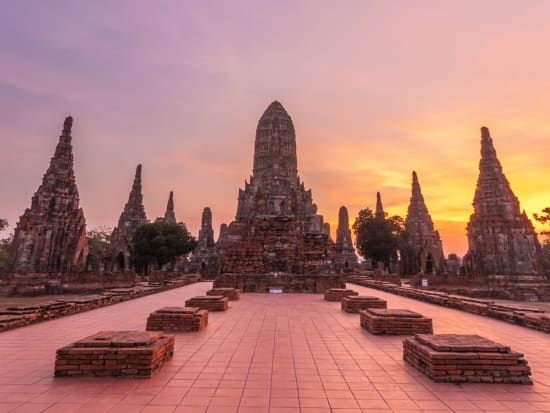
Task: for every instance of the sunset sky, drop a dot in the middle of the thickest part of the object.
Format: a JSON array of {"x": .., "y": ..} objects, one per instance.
[{"x": 376, "y": 89}]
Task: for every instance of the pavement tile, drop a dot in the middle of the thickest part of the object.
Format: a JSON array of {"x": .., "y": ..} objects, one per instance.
[{"x": 294, "y": 353}]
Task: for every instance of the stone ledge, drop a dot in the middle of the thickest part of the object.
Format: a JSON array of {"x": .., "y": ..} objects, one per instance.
[
  {"x": 20, "y": 316},
  {"x": 210, "y": 303},
  {"x": 115, "y": 353},
  {"x": 354, "y": 303},
  {"x": 177, "y": 319},
  {"x": 394, "y": 322},
  {"x": 336, "y": 294},
  {"x": 531, "y": 318},
  {"x": 458, "y": 358},
  {"x": 233, "y": 294}
]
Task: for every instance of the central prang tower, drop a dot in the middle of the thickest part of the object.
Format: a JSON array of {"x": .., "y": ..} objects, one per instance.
[{"x": 277, "y": 228}]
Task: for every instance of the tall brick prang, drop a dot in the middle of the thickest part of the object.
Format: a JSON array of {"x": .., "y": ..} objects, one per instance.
[
  {"x": 205, "y": 257},
  {"x": 169, "y": 215},
  {"x": 501, "y": 239},
  {"x": 131, "y": 218},
  {"x": 345, "y": 252},
  {"x": 423, "y": 238},
  {"x": 50, "y": 237},
  {"x": 276, "y": 228}
]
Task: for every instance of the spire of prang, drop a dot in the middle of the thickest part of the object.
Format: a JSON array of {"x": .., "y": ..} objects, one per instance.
[
  {"x": 379, "y": 212},
  {"x": 169, "y": 215}
]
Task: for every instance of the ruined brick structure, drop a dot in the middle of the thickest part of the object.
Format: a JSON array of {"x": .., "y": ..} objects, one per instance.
[
  {"x": 501, "y": 239},
  {"x": 131, "y": 218},
  {"x": 205, "y": 257},
  {"x": 169, "y": 215},
  {"x": 423, "y": 238},
  {"x": 50, "y": 237},
  {"x": 345, "y": 253},
  {"x": 277, "y": 228},
  {"x": 379, "y": 211}
]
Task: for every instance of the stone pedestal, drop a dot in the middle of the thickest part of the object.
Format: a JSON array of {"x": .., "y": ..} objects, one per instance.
[
  {"x": 354, "y": 303},
  {"x": 233, "y": 294},
  {"x": 336, "y": 294},
  {"x": 395, "y": 322},
  {"x": 115, "y": 353},
  {"x": 465, "y": 358},
  {"x": 210, "y": 303},
  {"x": 177, "y": 319}
]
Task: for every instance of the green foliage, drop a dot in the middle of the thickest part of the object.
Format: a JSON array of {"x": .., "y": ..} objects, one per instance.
[
  {"x": 5, "y": 248},
  {"x": 160, "y": 243},
  {"x": 98, "y": 240},
  {"x": 3, "y": 224},
  {"x": 378, "y": 239},
  {"x": 544, "y": 218}
]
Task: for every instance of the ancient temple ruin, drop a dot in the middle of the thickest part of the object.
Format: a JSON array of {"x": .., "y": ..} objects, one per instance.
[
  {"x": 501, "y": 239},
  {"x": 170, "y": 215},
  {"x": 277, "y": 229},
  {"x": 424, "y": 240},
  {"x": 50, "y": 237},
  {"x": 345, "y": 253},
  {"x": 379, "y": 212},
  {"x": 131, "y": 218},
  {"x": 205, "y": 257}
]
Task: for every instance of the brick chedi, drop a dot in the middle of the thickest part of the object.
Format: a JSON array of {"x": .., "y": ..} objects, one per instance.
[
  {"x": 131, "y": 218},
  {"x": 169, "y": 215},
  {"x": 205, "y": 257},
  {"x": 50, "y": 237},
  {"x": 501, "y": 239},
  {"x": 345, "y": 253},
  {"x": 424, "y": 240},
  {"x": 277, "y": 228}
]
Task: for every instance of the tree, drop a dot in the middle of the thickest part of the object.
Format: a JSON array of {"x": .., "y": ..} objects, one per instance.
[
  {"x": 159, "y": 243},
  {"x": 5, "y": 244},
  {"x": 545, "y": 219},
  {"x": 378, "y": 239},
  {"x": 3, "y": 224},
  {"x": 99, "y": 240}
]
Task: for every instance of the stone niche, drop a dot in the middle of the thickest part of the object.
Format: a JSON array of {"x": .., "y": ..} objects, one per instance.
[
  {"x": 115, "y": 353},
  {"x": 465, "y": 358},
  {"x": 394, "y": 322},
  {"x": 177, "y": 319}
]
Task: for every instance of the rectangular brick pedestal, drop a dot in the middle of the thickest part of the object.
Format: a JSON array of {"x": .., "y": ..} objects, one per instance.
[
  {"x": 395, "y": 322},
  {"x": 233, "y": 294},
  {"x": 210, "y": 303},
  {"x": 354, "y": 303},
  {"x": 177, "y": 319},
  {"x": 465, "y": 358},
  {"x": 336, "y": 294},
  {"x": 115, "y": 353}
]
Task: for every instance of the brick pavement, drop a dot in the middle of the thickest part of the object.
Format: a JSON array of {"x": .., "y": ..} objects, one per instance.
[{"x": 284, "y": 353}]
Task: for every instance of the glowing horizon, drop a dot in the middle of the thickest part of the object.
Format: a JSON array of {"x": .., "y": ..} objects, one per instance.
[{"x": 375, "y": 91}]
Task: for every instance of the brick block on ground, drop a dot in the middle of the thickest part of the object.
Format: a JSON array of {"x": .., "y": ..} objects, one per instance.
[
  {"x": 459, "y": 358},
  {"x": 233, "y": 294},
  {"x": 115, "y": 353},
  {"x": 336, "y": 294},
  {"x": 179, "y": 319},
  {"x": 354, "y": 303},
  {"x": 395, "y": 322},
  {"x": 209, "y": 302}
]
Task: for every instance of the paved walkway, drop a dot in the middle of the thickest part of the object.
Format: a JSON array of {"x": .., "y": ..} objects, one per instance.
[{"x": 268, "y": 353}]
